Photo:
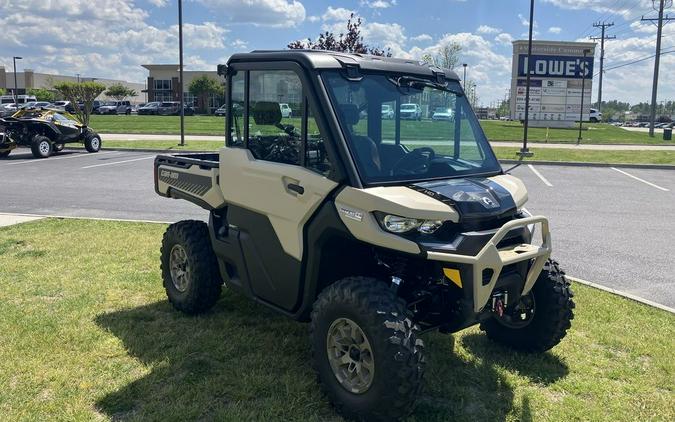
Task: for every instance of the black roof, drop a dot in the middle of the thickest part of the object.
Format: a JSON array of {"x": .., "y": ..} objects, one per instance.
[{"x": 322, "y": 59}]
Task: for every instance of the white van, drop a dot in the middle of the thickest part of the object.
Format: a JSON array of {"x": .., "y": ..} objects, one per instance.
[{"x": 20, "y": 99}]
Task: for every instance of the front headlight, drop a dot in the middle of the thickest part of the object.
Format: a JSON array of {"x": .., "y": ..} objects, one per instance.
[{"x": 398, "y": 224}]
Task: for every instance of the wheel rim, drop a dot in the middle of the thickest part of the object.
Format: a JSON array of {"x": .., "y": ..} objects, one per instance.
[
  {"x": 179, "y": 267},
  {"x": 521, "y": 315},
  {"x": 350, "y": 355},
  {"x": 95, "y": 142},
  {"x": 44, "y": 147}
]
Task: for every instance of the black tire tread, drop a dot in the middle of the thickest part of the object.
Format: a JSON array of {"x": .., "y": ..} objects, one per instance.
[
  {"x": 553, "y": 315},
  {"x": 377, "y": 304},
  {"x": 87, "y": 142},
  {"x": 35, "y": 146},
  {"x": 206, "y": 286}
]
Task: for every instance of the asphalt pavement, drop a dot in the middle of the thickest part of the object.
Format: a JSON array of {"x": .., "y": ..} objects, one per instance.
[{"x": 615, "y": 227}]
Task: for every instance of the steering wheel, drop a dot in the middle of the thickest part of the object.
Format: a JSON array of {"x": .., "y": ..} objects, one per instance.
[{"x": 414, "y": 162}]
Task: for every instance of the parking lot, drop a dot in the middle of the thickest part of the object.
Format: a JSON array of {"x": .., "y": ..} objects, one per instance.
[{"x": 612, "y": 226}]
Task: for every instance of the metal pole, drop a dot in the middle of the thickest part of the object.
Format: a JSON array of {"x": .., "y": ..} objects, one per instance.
[
  {"x": 180, "y": 71},
  {"x": 78, "y": 78},
  {"x": 652, "y": 115},
  {"x": 464, "y": 82},
  {"x": 583, "y": 86},
  {"x": 524, "y": 151},
  {"x": 16, "y": 85}
]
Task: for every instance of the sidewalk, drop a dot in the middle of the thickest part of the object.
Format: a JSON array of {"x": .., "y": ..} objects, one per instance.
[{"x": 220, "y": 138}]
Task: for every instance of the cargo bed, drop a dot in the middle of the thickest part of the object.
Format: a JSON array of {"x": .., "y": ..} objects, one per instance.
[{"x": 193, "y": 177}]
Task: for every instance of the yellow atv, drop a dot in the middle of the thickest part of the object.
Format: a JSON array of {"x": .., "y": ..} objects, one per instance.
[{"x": 45, "y": 131}]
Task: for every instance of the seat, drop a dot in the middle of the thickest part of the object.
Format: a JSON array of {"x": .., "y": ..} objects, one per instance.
[{"x": 364, "y": 148}]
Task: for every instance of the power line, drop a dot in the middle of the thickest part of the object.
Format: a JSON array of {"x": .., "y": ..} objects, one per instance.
[
  {"x": 637, "y": 60},
  {"x": 603, "y": 26}
]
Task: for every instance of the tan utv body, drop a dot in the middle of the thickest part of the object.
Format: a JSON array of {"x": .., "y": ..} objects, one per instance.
[{"x": 375, "y": 229}]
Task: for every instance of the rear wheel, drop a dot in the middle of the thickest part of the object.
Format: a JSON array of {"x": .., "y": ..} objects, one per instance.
[
  {"x": 189, "y": 267},
  {"x": 542, "y": 317},
  {"x": 365, "y": 350},
  {"x": 41, "y": 146},
  {"x": 92, "y": 142}
]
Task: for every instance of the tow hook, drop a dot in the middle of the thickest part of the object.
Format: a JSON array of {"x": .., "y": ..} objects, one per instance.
[{"x": 499, "y": 301}]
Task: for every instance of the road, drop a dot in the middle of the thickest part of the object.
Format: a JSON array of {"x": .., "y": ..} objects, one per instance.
[{"x": 615, "y": 227}]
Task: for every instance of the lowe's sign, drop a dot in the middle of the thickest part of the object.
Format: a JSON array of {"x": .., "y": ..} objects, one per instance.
[{"x": 568, "y": 67}]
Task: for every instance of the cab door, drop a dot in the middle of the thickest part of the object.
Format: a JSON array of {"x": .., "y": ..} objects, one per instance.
[{"x": 272, "y": 184}]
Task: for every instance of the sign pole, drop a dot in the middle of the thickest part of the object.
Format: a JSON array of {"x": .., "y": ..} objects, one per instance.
[
  {"x": 524, "y": 151},
  {"x": 583, "y": 86}
]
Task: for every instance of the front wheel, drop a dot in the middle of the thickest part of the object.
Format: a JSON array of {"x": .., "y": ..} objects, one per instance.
[
  {"x": 542, "y": 317},
  {"x": 92, "y": 142},
  {"x": 189, "y": 267},
  {"x": 41, "y": 147},
  {"x": 365, "y": 350}
]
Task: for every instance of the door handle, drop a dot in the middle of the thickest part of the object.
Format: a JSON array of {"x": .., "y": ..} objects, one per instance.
[{"x": 296, "y": 188}]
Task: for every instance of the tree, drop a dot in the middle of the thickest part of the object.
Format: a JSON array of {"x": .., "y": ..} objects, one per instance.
[
  {"x": 349, "y": 42},
  {"x": 120, "y": 92},
  {"x": 202, "y": 87},
  {"x": 85, "y": 92},
  {"x": 42, "y": 94},
  {"x": 2, "y": 91},
  {"x": 447, "y": 56}
]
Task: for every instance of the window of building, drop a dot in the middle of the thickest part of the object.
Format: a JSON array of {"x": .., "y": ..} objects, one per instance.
[{"x": 162, "y": 84}]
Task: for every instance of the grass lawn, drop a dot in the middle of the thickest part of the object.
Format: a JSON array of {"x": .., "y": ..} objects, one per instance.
[
  {"x": 494, "y": 129},
  {"x": 86, "y": 334},
  {"x": 546, "y": 154}
]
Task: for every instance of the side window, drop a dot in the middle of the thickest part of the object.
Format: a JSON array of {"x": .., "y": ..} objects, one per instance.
[
  {"x": 316, "y": 158},
  {"x": 276, "y": 107},
  {"x": 237, "y": 117}
]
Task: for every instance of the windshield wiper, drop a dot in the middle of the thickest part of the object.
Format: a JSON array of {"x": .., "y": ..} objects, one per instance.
[{"x": 419, "y": 83}]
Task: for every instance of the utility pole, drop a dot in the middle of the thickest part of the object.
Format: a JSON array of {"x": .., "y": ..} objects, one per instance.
[
  {"x": 583, "y": 86},
  {"x": 524, "y": 151},
  {"x": 602, "y": 39},
  {"x": 180, "y": 72},
  {"x": 16, "y": 86},
  {"x": 659, "y": 29}
]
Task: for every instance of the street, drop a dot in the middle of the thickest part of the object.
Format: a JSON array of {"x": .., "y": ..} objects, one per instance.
[{"x": 611, "y": 226}]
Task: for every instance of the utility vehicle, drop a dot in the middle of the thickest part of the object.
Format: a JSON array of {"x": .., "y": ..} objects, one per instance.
[
  {"x": 373, "y": 230},
  {"x": 45, "y": 131}
]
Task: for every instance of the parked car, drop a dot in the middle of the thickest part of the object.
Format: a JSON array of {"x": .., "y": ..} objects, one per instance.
[
  {"x": 387, "y": 112},
  {"x": 135, "y": 107},
  {"x": 595, "y": 115},
  {"x": 35, "y": 104},
  {"x": 149, "y": 108},
  {"x": 115, "y": 107},
  {"x": 411, "y": 112},
  {"x": 222, "y": 110},
  {"x": 286, "y": 111},
  {"x": 172, "y": 108},
  {"x": 20, "y": 99},
  {"x": 64, "y": 105},
  {"x": 442, "y": 113}
]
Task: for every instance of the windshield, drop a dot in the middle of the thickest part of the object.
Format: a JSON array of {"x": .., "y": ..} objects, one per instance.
[{"x": 402, "y": 149}]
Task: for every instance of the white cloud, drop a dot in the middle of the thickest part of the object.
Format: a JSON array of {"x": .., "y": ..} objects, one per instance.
[
  {"x": 555, "y": 30},
  {"x": 485, "y": 29},
  {"x": 621, "y": 8},
  {"x": 159, "y": 3},
  {"x": 275, "y": 13},
  {"x": 336, "y": 14},
  {"x": 421, "y": 38},
  {"x": 525, "y": 21},
  {"x": 378, "y": 4},
  {"x": 504, "y": 38},
  {"x": 313, "y": 18}
]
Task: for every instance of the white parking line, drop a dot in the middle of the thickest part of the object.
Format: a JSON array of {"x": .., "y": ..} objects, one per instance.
[
  {"x": 50, "y": 160},
  {"x": 641, "y": 180},
  {"x": 118, "y": 162},
  {"x": 539, "y": 175}
]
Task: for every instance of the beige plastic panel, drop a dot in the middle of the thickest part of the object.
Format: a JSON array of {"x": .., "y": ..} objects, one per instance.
[
  {"x": 261, "y": 186},
  {"x": 355, "y": 207},
  {"x": 515, "y": 187}
]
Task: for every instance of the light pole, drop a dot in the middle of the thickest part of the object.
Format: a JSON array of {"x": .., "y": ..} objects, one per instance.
[
  {"x": 524, "y": 152},
  {"x": 16, "y": 86},
  {"x": 464, "y": 83},
  {"x": 180, "y": 72},
  {"x": 583, "y": 86},
  {"x": 78, "y": 77}
]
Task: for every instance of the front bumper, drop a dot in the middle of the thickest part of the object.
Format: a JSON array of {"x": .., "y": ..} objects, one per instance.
[{"x": 494, "y": 259}]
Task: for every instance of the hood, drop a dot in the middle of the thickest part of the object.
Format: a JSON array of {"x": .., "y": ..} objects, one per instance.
[{"x": 472, "y": 198}]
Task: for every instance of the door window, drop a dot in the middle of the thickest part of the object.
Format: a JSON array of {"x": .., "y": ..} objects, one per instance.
[
  {"x": 237, "y": 118},
  {"x": 275, "y": 132}
]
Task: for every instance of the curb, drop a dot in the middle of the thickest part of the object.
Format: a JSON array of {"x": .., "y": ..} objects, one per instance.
[
  {"x": 622, "y": 294},
  {"x": 71, "y": 217},
  {"x": 591, "y": 164}
]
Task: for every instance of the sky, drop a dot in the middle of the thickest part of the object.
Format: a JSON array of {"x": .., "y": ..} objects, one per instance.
[{"x": 112, "y": 38}]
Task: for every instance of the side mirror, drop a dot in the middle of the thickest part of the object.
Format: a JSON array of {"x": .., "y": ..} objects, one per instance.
[{"x": 222, "y": 70}]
